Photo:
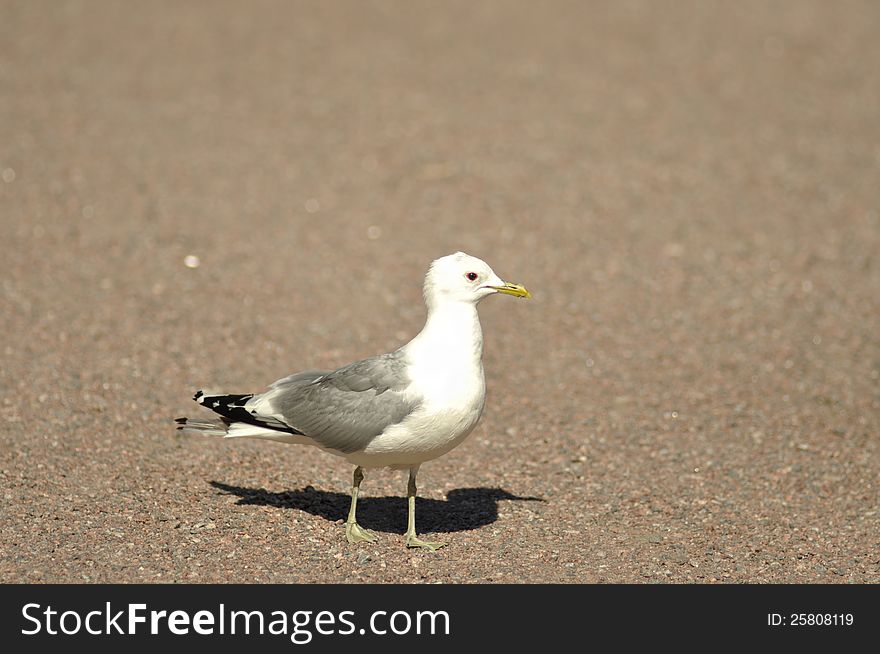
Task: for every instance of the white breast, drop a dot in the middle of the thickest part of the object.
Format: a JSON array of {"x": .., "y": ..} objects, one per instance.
[{"x": 446, "y": 374}]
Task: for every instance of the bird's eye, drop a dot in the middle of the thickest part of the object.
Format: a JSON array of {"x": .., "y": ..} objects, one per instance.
[{"x": 472, "y": 276}]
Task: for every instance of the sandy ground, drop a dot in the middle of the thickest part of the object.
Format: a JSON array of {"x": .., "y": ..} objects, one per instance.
[{"x": 691, "y": 190}]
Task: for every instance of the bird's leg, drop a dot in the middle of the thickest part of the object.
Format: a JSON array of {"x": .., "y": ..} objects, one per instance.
[
  {"x": 353, "y": 531},
  {"x": 411, "y": 539}
]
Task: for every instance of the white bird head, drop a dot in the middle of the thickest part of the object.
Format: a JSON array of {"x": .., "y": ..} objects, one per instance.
[{"x": 460, "y": 277}]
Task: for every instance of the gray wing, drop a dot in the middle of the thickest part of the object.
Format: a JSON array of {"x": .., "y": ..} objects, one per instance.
[{"x": 345, "y": 409}]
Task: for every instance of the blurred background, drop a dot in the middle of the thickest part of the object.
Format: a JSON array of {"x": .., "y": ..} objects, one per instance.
[{"x": 216, "y": 194}]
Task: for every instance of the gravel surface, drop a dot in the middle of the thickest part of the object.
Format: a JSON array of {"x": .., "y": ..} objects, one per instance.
[{"x": 205, "y": 195}]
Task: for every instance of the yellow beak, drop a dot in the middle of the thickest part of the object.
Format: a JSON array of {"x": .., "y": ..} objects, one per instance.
[{"x": 516, "y": 290}]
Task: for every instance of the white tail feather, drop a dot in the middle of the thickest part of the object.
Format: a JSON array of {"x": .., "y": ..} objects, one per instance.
[{"x": 244, "y": 430}]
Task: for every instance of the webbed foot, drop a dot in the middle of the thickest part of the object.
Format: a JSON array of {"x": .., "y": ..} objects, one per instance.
[
  {"x": 414, "y": 541},
  {"x": 355, "y": 533}
]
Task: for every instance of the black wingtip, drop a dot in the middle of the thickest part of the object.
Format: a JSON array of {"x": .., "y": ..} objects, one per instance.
[
  {"x": 180, "y": 421},
  {"x": 198, "y": 395}
]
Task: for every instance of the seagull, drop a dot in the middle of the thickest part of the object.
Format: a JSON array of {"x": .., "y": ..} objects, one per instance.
[{"x": 395, "y": 410}]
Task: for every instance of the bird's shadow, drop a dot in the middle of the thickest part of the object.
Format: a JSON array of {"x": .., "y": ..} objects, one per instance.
[{"x": 462, "y": 510}]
